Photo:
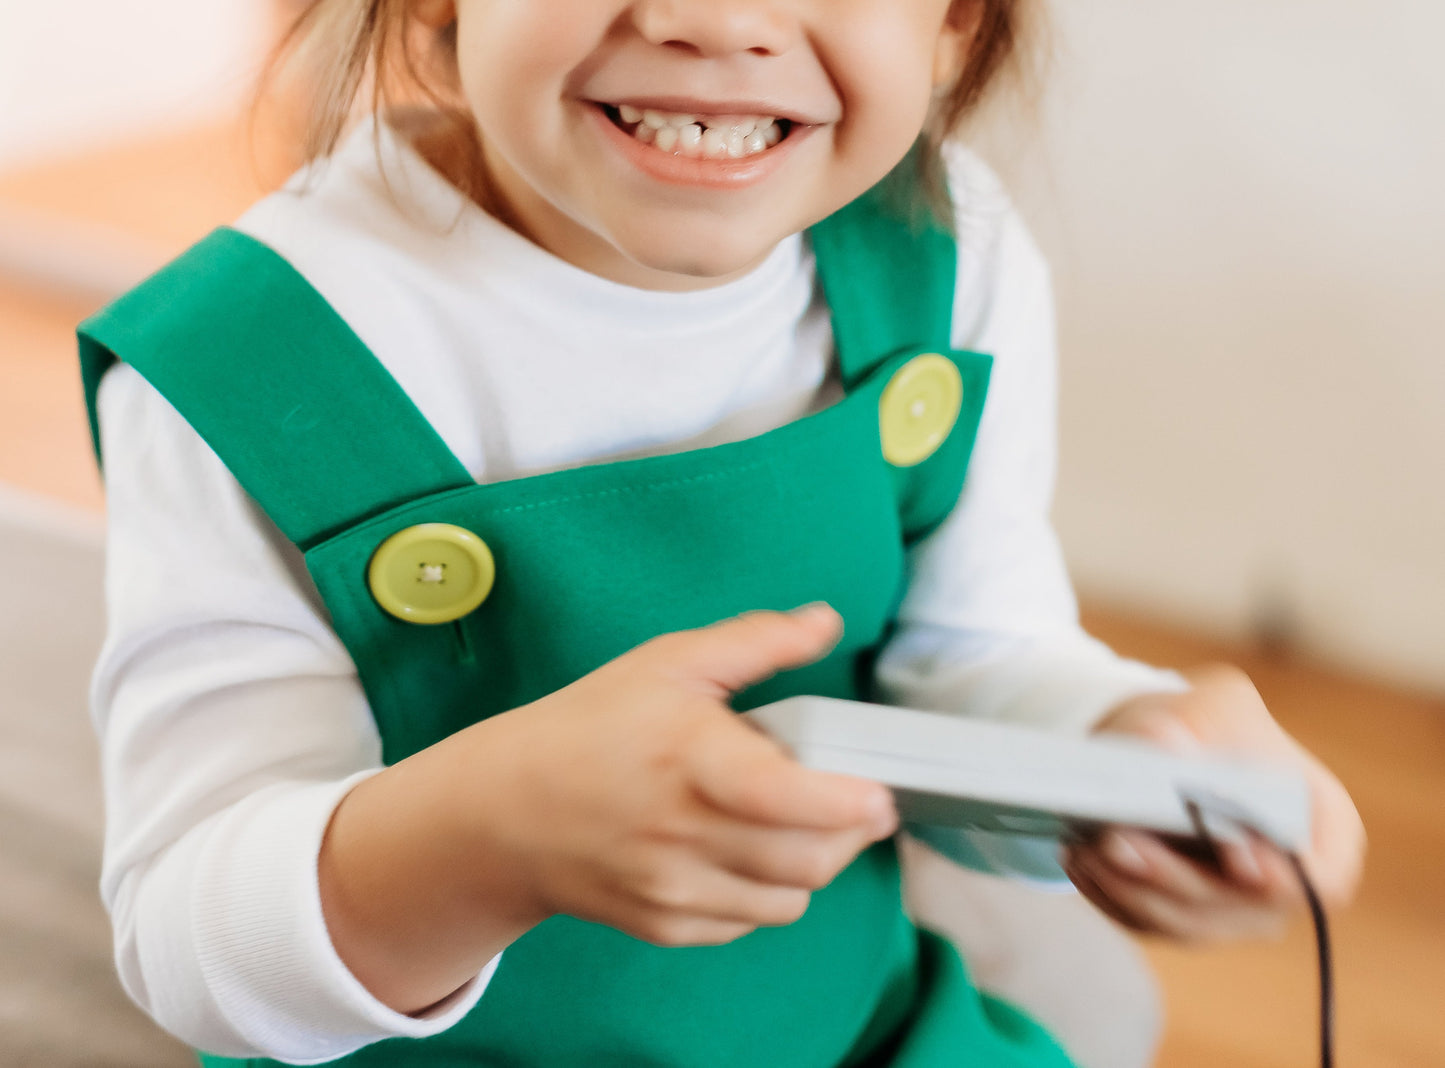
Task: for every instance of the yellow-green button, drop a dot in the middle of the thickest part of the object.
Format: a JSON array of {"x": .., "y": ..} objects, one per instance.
[
  {"x": 431, "y": 573},
  {"x": 918, "y": 408}
]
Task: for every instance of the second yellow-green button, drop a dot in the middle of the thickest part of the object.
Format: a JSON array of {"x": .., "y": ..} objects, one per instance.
[
  {"x": 431, "y": 573},
  {"x": 918, "y": 408}
]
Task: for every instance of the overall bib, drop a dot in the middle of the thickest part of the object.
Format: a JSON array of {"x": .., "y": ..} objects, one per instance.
[{"x": 458, "y": 601}]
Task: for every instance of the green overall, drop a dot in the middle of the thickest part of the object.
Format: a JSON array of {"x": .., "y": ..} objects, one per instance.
[{"x": 575, "y": 568}]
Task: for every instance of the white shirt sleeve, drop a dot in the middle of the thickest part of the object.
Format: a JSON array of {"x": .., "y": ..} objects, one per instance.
[
  {"x": 231, "y": 723},
  {"x": 989, "y": 626}
]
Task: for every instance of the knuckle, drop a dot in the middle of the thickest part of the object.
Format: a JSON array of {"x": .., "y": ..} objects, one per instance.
[
  {"x": 671, "y": 829},
  {"x": 660, "y": 825},
  {"x": 667, "y": 890}
]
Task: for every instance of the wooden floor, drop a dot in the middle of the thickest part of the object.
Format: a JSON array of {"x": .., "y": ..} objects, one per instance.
[{"x": 1245, "y": 1007}]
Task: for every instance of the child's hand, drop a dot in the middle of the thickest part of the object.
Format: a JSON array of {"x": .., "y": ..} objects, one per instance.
[
  {"x": 1139, "y": 881},
  {"x": 635, "y": 798},
  {"x": 638, "y": 799}
]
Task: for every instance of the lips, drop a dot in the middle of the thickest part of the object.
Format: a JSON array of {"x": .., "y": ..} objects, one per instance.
[{"x": 699, "y": 142}]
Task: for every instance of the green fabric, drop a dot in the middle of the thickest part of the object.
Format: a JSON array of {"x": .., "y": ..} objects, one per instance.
[
  {"x": 255, "y": 358},
  {"x": 889, "y": 281},
  {"x": 618, "y": 553},
  {"x": 591, "y": 562}
]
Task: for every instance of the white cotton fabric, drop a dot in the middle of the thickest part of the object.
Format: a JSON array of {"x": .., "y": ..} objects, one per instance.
[{"x": 230, "y": 715}]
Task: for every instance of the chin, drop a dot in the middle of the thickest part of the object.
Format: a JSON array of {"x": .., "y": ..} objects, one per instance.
[{"x": 704, "y": 258}]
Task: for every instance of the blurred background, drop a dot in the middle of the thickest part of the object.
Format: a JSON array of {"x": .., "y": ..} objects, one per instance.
[{"x": 1241, "y": 201}]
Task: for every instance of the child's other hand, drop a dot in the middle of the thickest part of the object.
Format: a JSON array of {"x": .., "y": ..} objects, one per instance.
[
  {"x": 1138, "y": 880},
  {"x": 638, "y": 799}
]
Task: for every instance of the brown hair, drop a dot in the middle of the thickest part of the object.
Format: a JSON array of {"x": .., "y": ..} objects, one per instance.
[{"x": 346, "y": 47}]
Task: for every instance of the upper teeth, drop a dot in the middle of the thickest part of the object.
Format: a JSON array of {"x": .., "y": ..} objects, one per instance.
[{"x": 691, "y": 135}]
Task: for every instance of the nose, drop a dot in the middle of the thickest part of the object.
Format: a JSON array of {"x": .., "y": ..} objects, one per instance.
[{"x": 714, "y": 28}]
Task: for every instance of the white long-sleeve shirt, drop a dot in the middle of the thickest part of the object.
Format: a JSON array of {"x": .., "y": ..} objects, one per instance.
[{"x": 230, "y": 715}]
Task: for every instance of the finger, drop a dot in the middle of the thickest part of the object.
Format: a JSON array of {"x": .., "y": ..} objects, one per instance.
[
  {"x": 1247, "y": 878},
  {"x": 1078, "y": 874},
  {"x": 1148, "y": 861},
  {"x": 1145, "y": 908},
  {"x": 1091, "y": 877},
  {"x": 672, "y": 932},
  {"x": 682, "y": 888},
  {"x": 1336, "y": 855},
  {"x": 736, "y": 653},
  {"x": 743, "y": 773},
  {"x": 808, "y": 859},
  {"x": 1257, "y": 866},
  {"x": 614, "y": 899}
]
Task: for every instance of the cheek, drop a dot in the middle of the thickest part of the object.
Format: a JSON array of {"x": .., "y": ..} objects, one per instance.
[
  {"x": 885, "y": 118},
  {"x": 512, "y": 58},
  {"x": 885, "y": 79}
]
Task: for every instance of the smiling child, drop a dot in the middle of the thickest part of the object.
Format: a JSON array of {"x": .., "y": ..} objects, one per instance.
[{"x": 463, "y": 490}]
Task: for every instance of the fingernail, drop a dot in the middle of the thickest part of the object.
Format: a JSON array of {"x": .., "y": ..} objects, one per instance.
[
  {"x": 1124, "y": 854},
  {"x": 815, "y": 608}
]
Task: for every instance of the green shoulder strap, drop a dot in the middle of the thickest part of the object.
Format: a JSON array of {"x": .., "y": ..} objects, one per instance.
[
  {"x": 318, "y": 432},
  {"x": 889, "y": 279},
  {"x": 307, "y": 419}
]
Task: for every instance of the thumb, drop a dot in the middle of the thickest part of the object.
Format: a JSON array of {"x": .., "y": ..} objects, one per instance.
[{"x": 735, "y": 653}]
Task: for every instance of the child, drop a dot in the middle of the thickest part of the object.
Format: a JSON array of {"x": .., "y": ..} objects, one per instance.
[{"x": 459, "y": 494}]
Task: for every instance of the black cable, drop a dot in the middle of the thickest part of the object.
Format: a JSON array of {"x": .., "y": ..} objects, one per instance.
[
  {"x": 1317, "y": 915},
  {"x": 1327, "y": 978}
]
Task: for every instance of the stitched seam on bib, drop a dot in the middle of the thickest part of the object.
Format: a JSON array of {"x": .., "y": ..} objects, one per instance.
[{"x": 617, "y": 491}]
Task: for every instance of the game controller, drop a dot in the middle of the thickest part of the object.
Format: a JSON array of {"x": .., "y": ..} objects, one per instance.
[{"x": 948, "y": 770}]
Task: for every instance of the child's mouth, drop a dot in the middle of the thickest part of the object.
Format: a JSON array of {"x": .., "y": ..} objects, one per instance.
[{"x": 700, "y": 136}]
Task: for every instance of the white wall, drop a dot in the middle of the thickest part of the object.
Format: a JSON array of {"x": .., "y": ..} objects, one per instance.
[
  {"x": 1243, "y": 204},
  {"x": 85, "y": 71}
]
